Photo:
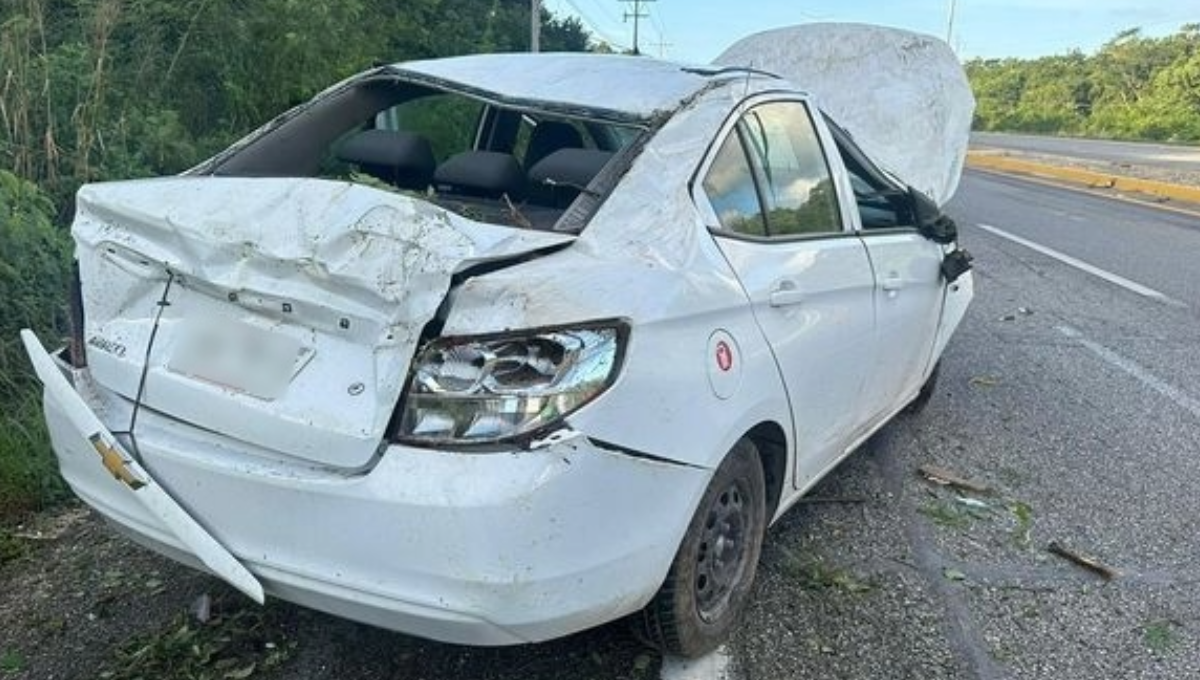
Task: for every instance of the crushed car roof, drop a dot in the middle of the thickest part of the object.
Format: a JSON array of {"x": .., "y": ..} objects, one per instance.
[{"x": 637, "y": 88}]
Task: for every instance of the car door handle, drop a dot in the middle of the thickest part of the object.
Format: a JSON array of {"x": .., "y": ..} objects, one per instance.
[
  {"x": 892, "y": 283},
  {"x": 786, "y": 293}
]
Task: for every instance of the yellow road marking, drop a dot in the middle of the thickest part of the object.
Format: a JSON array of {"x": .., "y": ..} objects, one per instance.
[
  {"x": 1090, "y": 191},
  {"x": 1089, "y": 178}
]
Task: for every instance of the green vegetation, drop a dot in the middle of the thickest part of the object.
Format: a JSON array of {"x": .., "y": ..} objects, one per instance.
[
  {"x": 1134, "y": 87},
  {"x": 11, "y": 662},
  {"x": 1160, "y": 636},
  {"x": 34, "y": 260},
  {"x": 242, "y": 644},
  {"x": 95, "y": 90},
  {"x": 815, "y": 574}
]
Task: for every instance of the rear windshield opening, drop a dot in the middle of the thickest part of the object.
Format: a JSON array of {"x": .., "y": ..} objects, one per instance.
[{"x": 515, "y": 167}]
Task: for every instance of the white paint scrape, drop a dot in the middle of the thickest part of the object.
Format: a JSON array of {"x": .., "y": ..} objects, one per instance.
[
  {"x": 716, "y": 665},
  {"x": 903, "y": 96}
]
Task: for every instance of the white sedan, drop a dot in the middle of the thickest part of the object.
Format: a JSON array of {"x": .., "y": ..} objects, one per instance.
[{"x": 496, "y": 348}]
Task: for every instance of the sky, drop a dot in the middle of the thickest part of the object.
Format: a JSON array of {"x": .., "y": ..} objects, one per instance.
[{"x": 698, "y": 30}]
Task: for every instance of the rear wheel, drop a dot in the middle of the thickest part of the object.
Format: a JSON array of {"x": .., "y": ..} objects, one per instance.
[{"x": 709, "y": 582}]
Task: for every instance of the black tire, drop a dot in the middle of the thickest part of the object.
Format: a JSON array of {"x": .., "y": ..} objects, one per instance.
[
  {"x": 710, "y": 580},
  {"x": 919, "y": 403}
]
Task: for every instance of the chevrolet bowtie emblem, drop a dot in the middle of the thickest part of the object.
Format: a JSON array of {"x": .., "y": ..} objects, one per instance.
[{"x": 115, "y": 463}]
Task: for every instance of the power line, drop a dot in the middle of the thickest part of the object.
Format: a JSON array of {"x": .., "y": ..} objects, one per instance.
[
  {"x": 594, "y": 27},
  {"x": 637, "y": 15},
  {"x": 604, "y": 9},
  {"x": 662, "y": 43}
]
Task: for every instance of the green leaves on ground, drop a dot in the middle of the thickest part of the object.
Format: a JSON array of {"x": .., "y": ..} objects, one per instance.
[{"x": 233, "y": 646}]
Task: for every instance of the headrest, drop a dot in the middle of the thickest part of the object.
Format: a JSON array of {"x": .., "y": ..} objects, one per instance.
[
  {"x": 549, "y": 136},
  {"x": 569, "y": 167},
  {"x": 481, "y": 173},
  {"x": 403, "y": 158}
]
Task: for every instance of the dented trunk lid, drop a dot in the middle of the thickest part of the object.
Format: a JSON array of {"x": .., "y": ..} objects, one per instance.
[{"x": 284, "y": 312}]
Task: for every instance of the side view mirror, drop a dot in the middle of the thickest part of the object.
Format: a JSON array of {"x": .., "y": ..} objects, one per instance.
[{"x": 933, "y": 224}]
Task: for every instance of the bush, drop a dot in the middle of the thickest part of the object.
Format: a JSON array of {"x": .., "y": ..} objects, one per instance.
[{"x": 34, "y": 265}]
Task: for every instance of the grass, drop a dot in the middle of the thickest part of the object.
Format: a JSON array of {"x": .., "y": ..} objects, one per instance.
[
  {"x": 815, "y": 574},
  {"x": 29, "y": 479},
  {"x": 11, "y": 662},
  {"x": 1160, "y": 636},
  {"x": 948, "y": 514},
  {"x": 1023, "y": 514}
]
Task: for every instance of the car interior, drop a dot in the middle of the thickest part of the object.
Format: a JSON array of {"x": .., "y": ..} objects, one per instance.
[{"x": 483, "y": 160}]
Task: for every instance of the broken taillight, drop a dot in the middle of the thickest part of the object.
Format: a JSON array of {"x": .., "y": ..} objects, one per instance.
[{"x": 491, "y": 389}]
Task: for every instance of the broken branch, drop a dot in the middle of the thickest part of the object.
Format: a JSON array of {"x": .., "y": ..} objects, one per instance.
[
  {"x": 943, "y": 477},
  {"x": 1090, "y": 563}
]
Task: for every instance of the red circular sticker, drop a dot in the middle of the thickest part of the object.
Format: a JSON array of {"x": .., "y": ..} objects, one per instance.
[{"x": 724, "y": 356}]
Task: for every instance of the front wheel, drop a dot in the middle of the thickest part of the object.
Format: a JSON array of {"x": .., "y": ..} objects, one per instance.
[
  {"x": 709, "y": 582},
  {"x": 918, "y": 404}
]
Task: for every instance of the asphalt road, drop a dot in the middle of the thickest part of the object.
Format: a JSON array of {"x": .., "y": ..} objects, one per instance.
[
  {"x": 1072, "y": 392},
  {"x": 1119, "y": 153}
]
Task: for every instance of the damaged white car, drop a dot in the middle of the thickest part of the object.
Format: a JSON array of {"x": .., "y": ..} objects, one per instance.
[{"x": 493, "y": 349}]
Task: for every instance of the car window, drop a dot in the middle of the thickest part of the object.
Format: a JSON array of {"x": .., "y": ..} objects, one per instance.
[
  {"x": 448, "y": 121},
  {"x": 797, "y": 187},
  {"x": 874, "y": 209},
  {"x": 730, "y": 187}
]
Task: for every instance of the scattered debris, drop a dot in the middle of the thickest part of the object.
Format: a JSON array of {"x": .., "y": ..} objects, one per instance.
[
  {"x": 944, "y": 477},
  {"x": 954, "y": 574},
  {"x": 1161, "y": 635},
  {"x": 1090, "y": 563},
  {"x": 234, "y": 644},
  {"x": 201, "y": 608},
  {"x": 516, "y": 215},
  {"x": 985, "y": 381},
  {"x": 52, "y": 525},
  {"x": 641, "y": 663},
  {"x": 1023, "y": 513},
  {"x": 1021, "y": 311},
  {"x": 821, "y": 500},
  {"x": 814, "y": 574},
  {"x": 12, "y": 662},
  {"x": 973, "y": 503}
]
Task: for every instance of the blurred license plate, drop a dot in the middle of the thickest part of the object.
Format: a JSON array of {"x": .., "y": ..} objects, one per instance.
[{"x": 238, "y": 356}]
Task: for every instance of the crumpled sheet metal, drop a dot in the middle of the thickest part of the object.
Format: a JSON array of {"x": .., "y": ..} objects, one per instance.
[
  {"x": 383, "y": 256},
  {"x": 354, "y": 272},
  {"x": 902, "y": 95},
  {"x": 637, "y": 87}
]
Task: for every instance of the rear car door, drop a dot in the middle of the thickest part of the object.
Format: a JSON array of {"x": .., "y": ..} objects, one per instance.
[{"x": 776, "y": 217}]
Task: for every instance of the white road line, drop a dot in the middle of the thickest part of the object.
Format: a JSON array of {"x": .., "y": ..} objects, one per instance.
[
  {"x": 1181, "y": 398},
  {"x": 716, "y": 665},
  {"x": 1121, "y": 281}
]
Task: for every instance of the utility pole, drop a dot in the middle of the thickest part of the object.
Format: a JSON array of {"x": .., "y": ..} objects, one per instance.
[
  {"x": 637, "y": 15},
  {"x": 950, "y": 23},
  {"x": 535, "y": 25}
]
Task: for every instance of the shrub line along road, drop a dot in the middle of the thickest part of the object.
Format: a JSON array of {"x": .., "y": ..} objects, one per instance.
[{"x": 1069, "y": 394}]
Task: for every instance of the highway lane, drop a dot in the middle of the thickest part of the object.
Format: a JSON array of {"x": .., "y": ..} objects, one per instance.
[
  {"x": 1077, "y": 401},
  {"x": 1155, "y": 247},
  {"x": 1161, "y": 155}
]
